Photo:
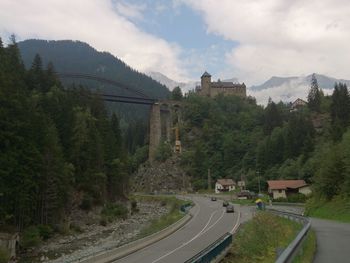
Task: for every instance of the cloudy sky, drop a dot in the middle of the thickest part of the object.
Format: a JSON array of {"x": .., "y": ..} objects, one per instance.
[{"x": 251, "y": 40}]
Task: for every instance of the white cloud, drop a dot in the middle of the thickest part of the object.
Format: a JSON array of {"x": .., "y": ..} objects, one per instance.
[
  {"x": 128, "y": 10},
  {"x": 281, "y": 37},
  {"x": 96, "y": 22},
  {"x": 287, "y": 92}
]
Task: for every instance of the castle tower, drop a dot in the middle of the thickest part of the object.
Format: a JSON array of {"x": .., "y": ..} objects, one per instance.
[{"x": 205, "y": 83}]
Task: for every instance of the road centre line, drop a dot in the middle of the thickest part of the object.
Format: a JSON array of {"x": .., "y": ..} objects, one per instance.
[
  {"x": 223, "y": 211},
  {"x": 184, "y": 244},
  {"x": 237, "y": 223}
]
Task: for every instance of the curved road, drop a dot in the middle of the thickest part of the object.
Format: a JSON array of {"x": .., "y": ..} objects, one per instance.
[
  {"x": 333, "y": 241},
  {"x": 210, "y": 221},
  {"x": 333, "y": 237}
]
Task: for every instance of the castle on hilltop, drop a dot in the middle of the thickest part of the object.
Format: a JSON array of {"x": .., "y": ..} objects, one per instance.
[{"x": 211, "y": 89}]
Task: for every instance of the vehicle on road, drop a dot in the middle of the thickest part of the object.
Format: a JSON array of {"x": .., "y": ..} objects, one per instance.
[
  {"x": 230, "y": 209},
  {"x": 213, "y": 198},
  {"x": 245, "y": 194},
  {"x": 225, "y": 203}
]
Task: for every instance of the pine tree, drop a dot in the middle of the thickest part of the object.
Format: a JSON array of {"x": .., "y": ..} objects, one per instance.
[
  {"x": 117, "y": 133},
  {"x": 176, "y": 94},
  {"x": 272, "y": 117},
  {"x": 36, "y": 76},
  {"x": 340, "y": 111},
  {"x": 55, "y": 183},
  {"x": 314, "y": 96}
]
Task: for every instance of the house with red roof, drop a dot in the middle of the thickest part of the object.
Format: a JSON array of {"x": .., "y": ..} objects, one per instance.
[
  {"x": 224, "y": 185},
  {"x": 283, "y": 188}
]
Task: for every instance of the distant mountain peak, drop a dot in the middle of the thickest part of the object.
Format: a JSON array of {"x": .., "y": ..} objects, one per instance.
[{"x": 290, "y": 88}]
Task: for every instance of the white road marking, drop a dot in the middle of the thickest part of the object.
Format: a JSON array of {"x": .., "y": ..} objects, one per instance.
[
  {"x": 215, "y": 222},
  {"x": 184, "y": 244},
  {"x": 237, "y": 223}
]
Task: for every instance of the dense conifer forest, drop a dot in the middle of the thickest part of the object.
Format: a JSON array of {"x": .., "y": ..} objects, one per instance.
[
  {"x": 57, "y": 146},
  {"x": 236, "y": 138}
]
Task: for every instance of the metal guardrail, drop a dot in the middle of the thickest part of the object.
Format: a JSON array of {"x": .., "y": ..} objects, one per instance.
[
  {"x": 213, "y": 250},
  {"x": 293, "y": 248},
  {"x": 184, "y": 208}
]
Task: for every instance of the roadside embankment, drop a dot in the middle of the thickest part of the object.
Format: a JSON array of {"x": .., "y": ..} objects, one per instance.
[{"x": 260, "y": 239}]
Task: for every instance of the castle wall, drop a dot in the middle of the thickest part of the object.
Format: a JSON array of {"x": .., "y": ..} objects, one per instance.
[
  {"x": 212, "y": 89},
  {"x": 237, "y": 91}
]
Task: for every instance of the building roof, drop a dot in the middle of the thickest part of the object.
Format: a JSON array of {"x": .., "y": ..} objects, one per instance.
[
  {"x": 299, "y": 102},
  {"x": 206, "y": 74},
  {"x": 284, "y": 184},
  {"x": 226, "y": 182}
]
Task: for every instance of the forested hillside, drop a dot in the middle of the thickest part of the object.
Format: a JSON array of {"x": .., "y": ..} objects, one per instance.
[
  {"x": 237, "y": 139},
  {"x": 79, "y": 57},
  {"x": 58, "y": 147}
]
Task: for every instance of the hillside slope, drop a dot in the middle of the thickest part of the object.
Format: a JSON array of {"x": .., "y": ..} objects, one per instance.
[{"x": 78, "y": 57}]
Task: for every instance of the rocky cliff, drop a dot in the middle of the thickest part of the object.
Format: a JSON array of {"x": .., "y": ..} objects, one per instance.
[{"x": 161, "y": 177}]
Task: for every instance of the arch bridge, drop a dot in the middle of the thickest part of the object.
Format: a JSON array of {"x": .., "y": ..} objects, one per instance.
[{"x": 164, "y": 114}]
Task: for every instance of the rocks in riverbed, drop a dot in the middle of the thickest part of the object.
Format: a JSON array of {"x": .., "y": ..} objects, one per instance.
[{"x": 96, "y": 238}]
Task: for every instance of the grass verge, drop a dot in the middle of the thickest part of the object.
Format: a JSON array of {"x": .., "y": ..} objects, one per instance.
[
  {"x": 336, "y": 209},
  {"x": 308, "y": 249},
  {"x": 259, "y": 239},
  {"x": 174, "y": 214}
]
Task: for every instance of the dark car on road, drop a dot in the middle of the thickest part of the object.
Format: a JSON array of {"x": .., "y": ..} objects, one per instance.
[
  {"x": 213, "y": 198},
  {"x": 230, "y": 209},
  {"x": 245, "y": 194},
  {"x": 225, "y": 203}
]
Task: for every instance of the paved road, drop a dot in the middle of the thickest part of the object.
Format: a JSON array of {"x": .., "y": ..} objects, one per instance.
[
  {"x": 333, "y": 238},
  {"x": 333, "y": 241},
  {"x": 209, "y": 222}
]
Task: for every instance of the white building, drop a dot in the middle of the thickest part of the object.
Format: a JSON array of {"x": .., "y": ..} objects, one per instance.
[
  {"x": 224, "y": 185},
  {"x": 282, "y": 188}
]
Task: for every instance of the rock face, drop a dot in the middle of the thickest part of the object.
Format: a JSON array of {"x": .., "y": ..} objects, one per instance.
[{"x": 161, "y": 177}]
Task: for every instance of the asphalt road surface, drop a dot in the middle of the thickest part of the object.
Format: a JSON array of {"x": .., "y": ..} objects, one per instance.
[
  {"x": 210, "y": 221},
  {"x": 333, "y": 238},
  {"x": 333, "y": 241}
]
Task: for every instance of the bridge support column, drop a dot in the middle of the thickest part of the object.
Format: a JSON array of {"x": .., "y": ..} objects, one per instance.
[{"x": 155, "y": 132}]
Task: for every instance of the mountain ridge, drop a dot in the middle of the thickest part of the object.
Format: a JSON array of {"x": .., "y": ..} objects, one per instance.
[{"x": 80, "y": 57}]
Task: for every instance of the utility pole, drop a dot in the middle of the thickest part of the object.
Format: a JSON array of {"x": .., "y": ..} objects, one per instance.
[
  {"x": 209, "y": 180},
  {"x": 258, "y": 179}
]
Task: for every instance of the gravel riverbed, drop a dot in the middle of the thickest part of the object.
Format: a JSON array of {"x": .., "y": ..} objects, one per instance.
[{"x": 96, "y": 238}]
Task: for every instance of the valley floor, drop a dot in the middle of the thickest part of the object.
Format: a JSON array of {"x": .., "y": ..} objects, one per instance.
[{"x": 95, "y": 238}]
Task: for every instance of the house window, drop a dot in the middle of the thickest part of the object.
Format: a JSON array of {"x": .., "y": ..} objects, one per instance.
[{"x": 280, "y": 191}]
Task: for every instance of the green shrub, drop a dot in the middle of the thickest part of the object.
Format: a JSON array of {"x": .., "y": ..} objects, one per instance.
[
  {"x": 45, "y": 231},
  {"x": 30, "y": 237},
  {"x": 4, "y": 255},
  {"x": 258, "y": 239},
  {"x": 297, "y": 198},
  {"x": 163, "y": 152},
  {"x": 292, "y": 198},
  {"x": 86, "y": 203},
  {"x": 114, "y": 211}
]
